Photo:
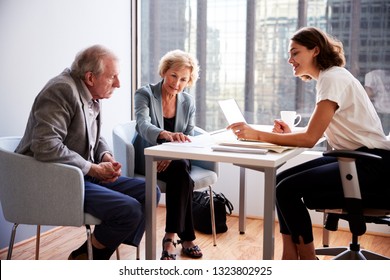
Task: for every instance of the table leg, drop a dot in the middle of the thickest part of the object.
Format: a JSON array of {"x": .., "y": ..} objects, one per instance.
[
  {"x": 325, "y": 233},
  {"x": 242, "y": 205},
  {"x": 269, "y": 207},
  {"x": 269, "y": 213},
  {"x": 150, "y": 208}
]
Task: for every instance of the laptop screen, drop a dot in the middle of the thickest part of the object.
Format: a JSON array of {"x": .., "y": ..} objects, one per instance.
[{"x": 231, "y": 111}]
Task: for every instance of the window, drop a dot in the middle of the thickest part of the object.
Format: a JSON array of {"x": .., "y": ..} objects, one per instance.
[{"x": 242, "y": 49}]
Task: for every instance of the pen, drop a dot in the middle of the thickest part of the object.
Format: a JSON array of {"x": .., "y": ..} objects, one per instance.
[{"x": 218, "y": 131}]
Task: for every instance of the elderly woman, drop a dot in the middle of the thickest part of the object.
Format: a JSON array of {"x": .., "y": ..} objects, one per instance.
[{"x": 165, "y": 112}]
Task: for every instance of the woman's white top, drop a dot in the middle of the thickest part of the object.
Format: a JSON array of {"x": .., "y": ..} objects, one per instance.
[{"x": 355, "y": 123}]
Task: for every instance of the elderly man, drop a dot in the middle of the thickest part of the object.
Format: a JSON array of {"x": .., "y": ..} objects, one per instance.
[{"x": 64, "y": 126}]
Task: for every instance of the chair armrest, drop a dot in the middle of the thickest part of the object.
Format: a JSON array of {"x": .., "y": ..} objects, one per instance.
[
  {"x": 348, "y": 172},
  {"x": 124, "y": 151},
  {"x": 351, "y": 154},
  {"x": 213, "y": 166},
  {"x": 351, "y": 187},
  {"x": 34, "y": 192},
  {"x": 209, "y": 165}
]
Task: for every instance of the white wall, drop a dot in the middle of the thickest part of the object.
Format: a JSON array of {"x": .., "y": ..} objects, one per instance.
[{"x": 38, "y": 39}]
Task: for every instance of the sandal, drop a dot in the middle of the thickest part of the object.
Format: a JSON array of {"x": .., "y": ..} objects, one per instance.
[
  {"x": 192, "y": 252},
  {"x": 165, "y": 255}
]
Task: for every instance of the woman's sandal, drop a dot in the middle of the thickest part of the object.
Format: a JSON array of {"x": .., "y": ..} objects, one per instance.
[
  {"x": 165, "y": 255},
  {"x": 193, "y": 252}
]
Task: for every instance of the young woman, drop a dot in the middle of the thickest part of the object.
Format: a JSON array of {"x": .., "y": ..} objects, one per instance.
[{"x": 345, "y": 115}]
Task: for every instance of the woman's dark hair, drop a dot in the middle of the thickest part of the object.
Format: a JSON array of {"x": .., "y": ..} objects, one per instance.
[{"x": 331, "y": 52}]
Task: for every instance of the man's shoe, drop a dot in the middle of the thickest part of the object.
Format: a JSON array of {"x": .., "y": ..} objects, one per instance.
[
  {"x": 80, "y": 253},
  {"x": 74, "y": 256},
  {"x": 98, "y": 254}
]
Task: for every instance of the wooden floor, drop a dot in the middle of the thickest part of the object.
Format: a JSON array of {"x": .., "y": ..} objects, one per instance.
[{"x": 59, "y": 242}]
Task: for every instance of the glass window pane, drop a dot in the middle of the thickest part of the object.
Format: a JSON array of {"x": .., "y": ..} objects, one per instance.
[{"x": 242, "y": 49}]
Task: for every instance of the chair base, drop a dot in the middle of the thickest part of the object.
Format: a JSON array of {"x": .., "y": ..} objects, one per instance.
[
  {"x": 38, "y": 238},
  {"x": 346, "y": 253}
]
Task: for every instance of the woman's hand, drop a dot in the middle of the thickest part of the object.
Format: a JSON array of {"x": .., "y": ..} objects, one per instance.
[
  {"x": 174, "y": 136},
  {"x": 163, "y": 165},
  {"x": 244, "y": 131},
  {"x": 280, "y": 127}
]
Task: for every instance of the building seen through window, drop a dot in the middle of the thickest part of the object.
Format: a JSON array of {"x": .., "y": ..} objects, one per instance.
[{"x": 242, "y": 48}]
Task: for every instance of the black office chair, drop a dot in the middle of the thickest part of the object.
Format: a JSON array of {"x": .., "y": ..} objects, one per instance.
[{"x": 353, "y": 212}]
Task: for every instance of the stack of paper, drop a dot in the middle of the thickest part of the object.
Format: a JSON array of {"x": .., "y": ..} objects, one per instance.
[
  {"x": 255, "y": 145},
  {"x": 222, "y": 148}
]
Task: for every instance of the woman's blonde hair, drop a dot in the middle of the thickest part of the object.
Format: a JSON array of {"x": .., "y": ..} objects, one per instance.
[{"x": 179, "y": 59}]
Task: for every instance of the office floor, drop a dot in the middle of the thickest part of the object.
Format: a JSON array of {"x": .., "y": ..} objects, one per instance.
[{"x": 58, "y": 243}]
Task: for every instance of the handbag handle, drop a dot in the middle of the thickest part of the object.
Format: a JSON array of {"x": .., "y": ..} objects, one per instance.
[
  {"x": 220, "y": 196},
  {"x": 226, "y": 201}
]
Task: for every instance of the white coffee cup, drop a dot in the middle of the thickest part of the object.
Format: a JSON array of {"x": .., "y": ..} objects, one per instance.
[{"x": 291, "y": 118}]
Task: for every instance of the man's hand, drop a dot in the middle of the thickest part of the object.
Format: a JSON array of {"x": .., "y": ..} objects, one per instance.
[{"x": 107, "y": 171}]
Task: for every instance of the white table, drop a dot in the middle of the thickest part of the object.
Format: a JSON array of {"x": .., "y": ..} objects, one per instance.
[{"x": 268, "y": 163}]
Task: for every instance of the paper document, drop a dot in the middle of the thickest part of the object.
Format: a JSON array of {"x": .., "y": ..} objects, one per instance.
[
  {"x": 221, "y": 148},
  {"x": 231, "y": 111},
  {"x": 199, "y": 141}
]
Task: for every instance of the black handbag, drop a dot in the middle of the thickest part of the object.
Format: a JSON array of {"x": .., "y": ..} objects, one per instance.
[{"x": 201, "y": 211}]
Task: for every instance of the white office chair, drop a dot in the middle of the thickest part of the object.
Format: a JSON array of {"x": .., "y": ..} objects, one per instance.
[
  {"x": 353, "y": 212},
  {"x": 203, "y": 173},
  {"x": 40, "y": 193}
]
